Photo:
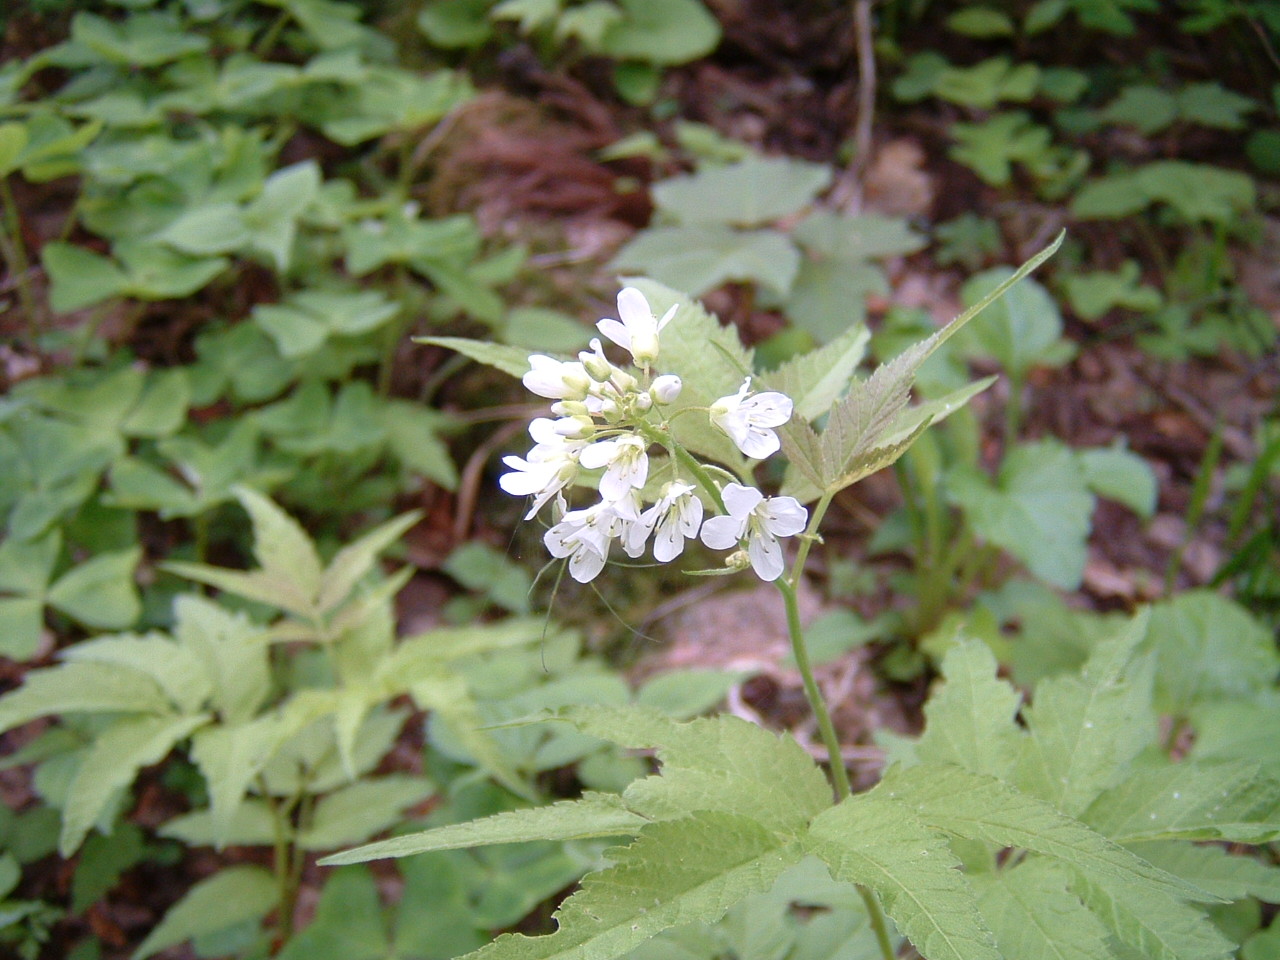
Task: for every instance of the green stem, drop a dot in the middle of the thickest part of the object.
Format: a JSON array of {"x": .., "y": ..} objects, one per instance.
[
  {"x": 15, "y": 257},
  {"x": 799, "y": 650}
]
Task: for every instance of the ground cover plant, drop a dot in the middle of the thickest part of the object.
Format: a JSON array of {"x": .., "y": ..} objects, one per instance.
[{"x": 893, "y": 571}]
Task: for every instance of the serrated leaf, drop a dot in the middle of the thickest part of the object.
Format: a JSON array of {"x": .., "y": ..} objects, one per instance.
[
  {"x": 1155, "y": 928},
  {"x": 179, "y": 672},
  {"x": 352, "y": 562},
  {"x": 1190, "y": 801},
  {"x": 700, "y": 257},
  {"x": 718, "y": 763},
  {"x": 879, "y": 844},
  {"x": 1039, "y": 509},
  {"x": 595, "y": 815},
  {"x": 229, "y": 646},
  {"x": 979, "y": 807},
  {"x": 1208, "y": 648},
  {"x": 81, "y": 688},
  {"x": 1035, "y": 917},
  {"x": 231, "y": 896},
  {"x": 971, "y": 720},
  {"x": 111, "y": 763},
  {"x": 1085, "y": 730},
  {"x": 676, "y": 872},
  {"x": 508, "y": 359},
  {"x": 1231, "y": 876},
  {"x": 815, "y": 380},
  {"x": 281, "y": 546},
  {"x": 750, "y": 193}
]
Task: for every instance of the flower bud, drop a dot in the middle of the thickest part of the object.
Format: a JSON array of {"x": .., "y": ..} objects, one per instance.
[
  {"x": 641, "y": 402},
  {"x": 666, "y": 388},
  {"x": 570, "y": 408},
  {"x": 575, "y": 428},
  {"x": 595, "y": 363}
]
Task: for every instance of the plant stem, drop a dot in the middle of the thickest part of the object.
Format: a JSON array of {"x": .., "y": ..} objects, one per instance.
[
  {"x": 15, "y": 257},
  {"x": 799, "y": 650}
]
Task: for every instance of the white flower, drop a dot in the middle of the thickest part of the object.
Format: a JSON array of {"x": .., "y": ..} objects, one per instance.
[
  {"x": 666, "y": 388},
  {"x": 749, "y": 420},
  {"x": 761, "y": 521},
  {"x": 548, "y": 468},
  {"x": 638, "y": 329},
  {"x": 626, "y": 460},
  {"x": 556, "y": 379},
  {"x": 584, "y": 537},
  {"x": 676, "y": 517}
]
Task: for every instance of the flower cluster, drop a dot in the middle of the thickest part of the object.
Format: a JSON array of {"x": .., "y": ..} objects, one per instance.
[{"x": 608, "y": 419}]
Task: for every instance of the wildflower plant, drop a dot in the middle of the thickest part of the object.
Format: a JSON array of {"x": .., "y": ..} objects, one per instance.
[{"x": 990, "y": 839}]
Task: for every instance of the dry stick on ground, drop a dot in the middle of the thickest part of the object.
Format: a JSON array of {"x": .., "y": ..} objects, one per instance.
[
  {"x": 848, "y": 191},
  {"x": 473, "y": 473}
]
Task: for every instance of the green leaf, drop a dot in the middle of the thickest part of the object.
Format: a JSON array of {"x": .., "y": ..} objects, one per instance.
[
  {"x": 356, "y": 812},
  {"x": 13, "y": 141},
  {"x": 817, "y": 379},
  {"x": 696, "y": 259},
  {"x": 991, "y": 148},
  {"x": 720, "y": 763},
  {"x": 1035, "y": 917},
  {"x": 100, "y": 592},
  {"x": 488, "y": 571},
  {"x": 981, "y": 22},
  {"x": 111, "y": 763},
  {"x": 79, "y": 277},
  {"x": 662, "y": 32},
  {"x": 231, "y": 896},
  {"x": 413, "y": 436},
  {"x": 676, "y": 872},
  {"x": 1098, "y": 292},
  {"x": 230, "y": 756},
  {"x": 978, "y": 807},
  {"x": 253, "y": 824},
  {"x": 348, "y": 924},
  {"x": 174, "y": 667},
  {"x": 102, "y": 861},
  {"x": 752, "y": 193},
  {"x": 1147, "y": 108},
  {"x": 847, "y": 238},
  {"x": 207, "y": 230},
  {"x": 595, "y": 815},
  {"x": 350, "y": 564},
  {"x": 280, "y": 544},
  {"x": 1213, "y": 105},
  {"x": 829, "y": 296},
  {"x": 1085, "y": 730},
  {"x": 1039, "y": 509},
  {"x": 81, "y": 688},
  {"x": 510, "y": 360},
  {"x": 686, "y": 693},
  {"x": 1020, "y": 331},
  {"x": 1215, "y": 869},
  {"x": 1191, "y": 801},
  {"x": 162, "y": 409},
  {"x": 1155, "y": 928},
  {"x": 1208, "y": 648},
  {"x": 971, "y": 719},
  {"x": 455, "y": 24},
  {"x": 879, "y": 844}
]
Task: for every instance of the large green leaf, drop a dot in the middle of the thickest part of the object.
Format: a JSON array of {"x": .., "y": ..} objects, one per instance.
[
  {"x": 1215, "y": 869},
  {"x": 817, "y": 379},
  {"x": 595, "y": 815},
  {"x": 879, "y": 844},
  {"x": 676, "y": 872},
  {"x": 661, "y": 31},
  {"x": 977, "y": 807},
  {"x": 230, "y": 756},
  {"x": 356, "y": 812},
  {"x": 81, "y": 688},
  {"x": 1155, "y": 927},
  {"x": 178, "y": 671},
  {"x": 231, "y": 651}
]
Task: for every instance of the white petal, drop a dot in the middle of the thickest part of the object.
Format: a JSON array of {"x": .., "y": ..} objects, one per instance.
[
  {"x": 615, "y": 331},
  {"x": 666, "y": 317},
  {"x": 740, "y": 500},
  {"x": 766, "y": 557},
  {"x": 584, "y": 565},
  {"x": 633, "y": 308},
  {"x": 757, "y": 443},
  {"x": 770, "y": 409},
  {"x": 722, "y": 533},
  {"x": 784, "y": 517},
  {"x": 598, "y": 454},
  {"x": 668, "y": 541}
]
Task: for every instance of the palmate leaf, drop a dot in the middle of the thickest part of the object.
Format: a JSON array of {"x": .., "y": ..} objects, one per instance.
[
  {"x": 680, "y": 871},
  {"x": 879, "y": 844},
  {"x": 1035, "y": 917},
  {"x": 976, "y": 807}
]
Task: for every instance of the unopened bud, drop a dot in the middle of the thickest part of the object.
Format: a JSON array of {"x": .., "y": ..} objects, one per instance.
[
  {"x": 666, "y": 388},
  {"x": 738, "y": 560},
  {"x": 575, "y": 428},
  {"x": 640, "y": 402},
  {"x": 570, "y": 408},
  {"x": 595, "y": 363}
]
